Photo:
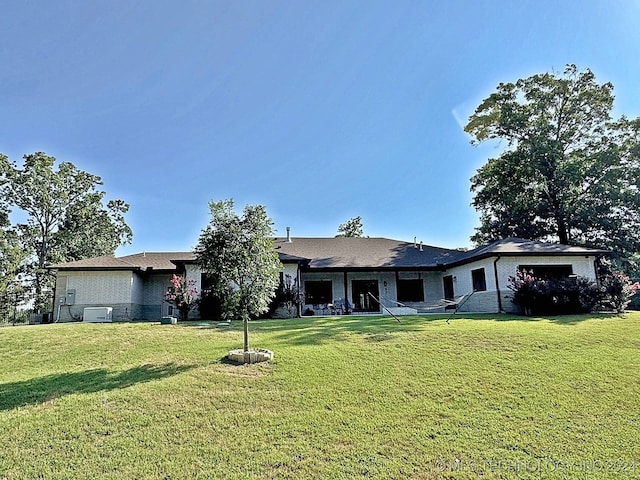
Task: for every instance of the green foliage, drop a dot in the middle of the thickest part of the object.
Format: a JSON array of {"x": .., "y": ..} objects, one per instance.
[
  {"x": 553, "y": 296},
  {"x": 12, "y": 256},
  {"x": 92, "y": 229},
  {"x": 617, "y": 291},
  {"x": 351, "y": 228},
  {"x": 569, "y": 172},
  {"x": 288, "y": 295},
  {"x": 356, "y": 397},
  {"x": 561, "y": 296},
  {"x": 65, "y": 216},
  {"x": 238, "y": 255}
]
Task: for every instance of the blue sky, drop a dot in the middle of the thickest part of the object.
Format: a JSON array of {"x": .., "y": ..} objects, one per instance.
[{"x": 320, "y": 111}]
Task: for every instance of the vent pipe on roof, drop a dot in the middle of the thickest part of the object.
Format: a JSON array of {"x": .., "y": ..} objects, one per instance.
[
  {"x": 288, "y": 234},
  {"x": 421, "y": 245},
  {"x": 415, "y": 245}
]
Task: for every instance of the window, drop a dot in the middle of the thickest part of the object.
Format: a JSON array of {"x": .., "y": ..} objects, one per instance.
[
  {"x": 548, "y": 271},
  {"x": 318, "y": 291},
  {"x": 479, "y": 280},
  {"x": 410, "y": 290}
]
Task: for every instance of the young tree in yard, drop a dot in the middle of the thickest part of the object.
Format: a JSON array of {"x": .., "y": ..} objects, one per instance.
[
  {"x": 65, "y": 216},
  {"x": 237, "y": 252},
  {"x": 569, "y": 172},
  {"x": 351, "y": 228}
]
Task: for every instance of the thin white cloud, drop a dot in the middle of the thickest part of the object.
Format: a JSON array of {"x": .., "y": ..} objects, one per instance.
[{"x": 461, "y": 119}]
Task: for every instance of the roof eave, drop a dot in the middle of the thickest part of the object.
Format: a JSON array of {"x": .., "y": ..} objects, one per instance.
[
  {"x": 592, "y": 253},
  {"x": 385, "y": 268},
  {"x": 92, "y": 269}
]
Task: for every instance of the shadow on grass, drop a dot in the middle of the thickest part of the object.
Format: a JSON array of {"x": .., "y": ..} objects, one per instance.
[
  {"x": 558, "y": 319},
  {"x": 219, "y": 324},
  {"x": 39, "y": 390},
  {"x": 318, "y": 330}
]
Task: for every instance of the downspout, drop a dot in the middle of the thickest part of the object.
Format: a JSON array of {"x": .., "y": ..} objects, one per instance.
[
  {"x": 495, "y": 273},
  {"x": 346, "y": 290}
]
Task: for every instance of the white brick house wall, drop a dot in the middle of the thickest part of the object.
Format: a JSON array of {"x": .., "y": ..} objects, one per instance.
[
  {"x": 95, "y": 287},
  {"x": 582, "y": 266},
  {"x": 506, "y": 267},
  {"x": 486, "y": 301},
  {"x": 132, "y": 295}
]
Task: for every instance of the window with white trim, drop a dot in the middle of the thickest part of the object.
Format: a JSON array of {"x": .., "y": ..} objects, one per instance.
[{"x": 479, "y": 280}]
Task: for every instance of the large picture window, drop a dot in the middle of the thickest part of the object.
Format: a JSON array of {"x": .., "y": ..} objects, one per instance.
[
  {"x": 318, "y": 291},
  {"x": 548, "y": 271},
  {"x": 479, "y": 280},
  {"x": 410, "y": 290}
]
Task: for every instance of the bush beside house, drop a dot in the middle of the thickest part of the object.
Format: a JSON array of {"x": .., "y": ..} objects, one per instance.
[{"x": 561, "y": 296}]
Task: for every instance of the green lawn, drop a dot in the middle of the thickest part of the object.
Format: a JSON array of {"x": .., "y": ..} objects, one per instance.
[{"x": 501, "y": 397}]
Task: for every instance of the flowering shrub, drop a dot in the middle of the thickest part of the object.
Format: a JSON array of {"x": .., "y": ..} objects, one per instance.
[
  {"x": 617, "y": 290},
  {"x": 571, "y": 295},
  {"x": 528, "y": 291},
  {"x": 550, "y": 296},
  {"x": 183, "y": 295},
  {"x": 288, "y": 295}
]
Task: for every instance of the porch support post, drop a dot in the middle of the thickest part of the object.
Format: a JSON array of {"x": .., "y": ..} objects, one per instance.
[
  {"x": 346, "y": 288},
  {"x": 299, "y": 281}
]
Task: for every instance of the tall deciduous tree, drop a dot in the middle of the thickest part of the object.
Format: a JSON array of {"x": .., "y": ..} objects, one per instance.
[
  {"x": 65, "y": 215},
  {"x": 351, "y": 228},
  {"x": 569, "y": 172},
  {"x": 12, "y": 256},
  {"x": 238, "y": 254}
]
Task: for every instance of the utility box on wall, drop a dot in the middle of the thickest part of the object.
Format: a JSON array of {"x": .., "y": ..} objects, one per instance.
[
  {"x": 71, "y": 297},
  {"x": 98, "y": 314}
]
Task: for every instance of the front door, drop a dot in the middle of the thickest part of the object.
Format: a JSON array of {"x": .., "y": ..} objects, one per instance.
[
  {"x": 362, "y": 291},
  {"x": 447, "y": 283}
]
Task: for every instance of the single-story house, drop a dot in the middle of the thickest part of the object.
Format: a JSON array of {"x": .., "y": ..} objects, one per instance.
[{"x": 367, "y": 275}]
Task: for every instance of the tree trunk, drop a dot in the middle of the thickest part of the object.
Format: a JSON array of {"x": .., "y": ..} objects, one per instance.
[
  {"x": 39, "y": 274},
  {"x": 245, "y": 322},
  {"x": 563, "y": 233}
]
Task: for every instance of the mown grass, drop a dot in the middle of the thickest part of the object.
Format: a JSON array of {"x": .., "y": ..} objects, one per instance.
[{"x": 500, "y": 397}]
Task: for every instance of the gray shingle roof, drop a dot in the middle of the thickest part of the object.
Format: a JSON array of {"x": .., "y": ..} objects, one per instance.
[
  {"x": 350, "y": 252},
  {"x": 521, "y": 247},
  {"x": 346, "y": 253},
  {"x": 138, "y": 261}
]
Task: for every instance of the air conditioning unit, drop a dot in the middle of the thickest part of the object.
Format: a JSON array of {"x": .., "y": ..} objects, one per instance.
[{"x": 98, "y": 314}]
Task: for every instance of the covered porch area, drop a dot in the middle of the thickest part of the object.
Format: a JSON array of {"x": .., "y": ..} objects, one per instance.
[{"x": 371, "y": 292}]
